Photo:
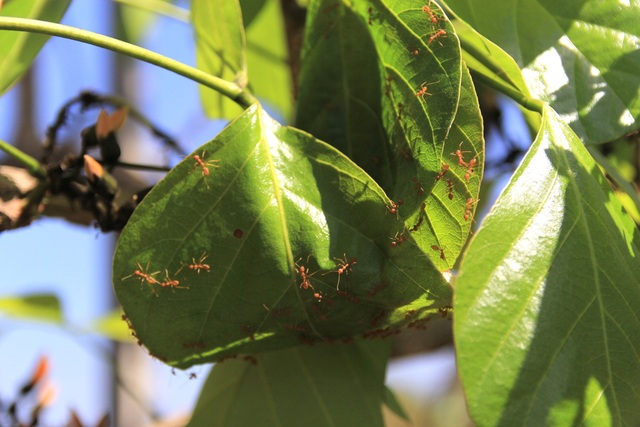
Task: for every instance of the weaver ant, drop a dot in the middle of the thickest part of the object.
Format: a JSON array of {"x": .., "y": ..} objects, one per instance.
[
  {"x": 198, "y": 265},
  {"x": 460, "y": 155},
  {"x": 432, "y": 16},
  {"x": 344, "y": 266},
  {"x": 304, "y": 274},
  {"x": 438, "y": 248},
  {"x": 472, "y": 164},
  {"x": 205, "y": 165},
  {"x": 469, "y": 205},
  {"x": 398, "y": 239},
  {"x": 171, "y": 283},
  {"x": 437, "y": 34},
  {"x": 393, "y": 209},
  {"x": 423, "y": 90},
  {"x": 143, "y": 276},
  {"x": 445, "y": 169}
]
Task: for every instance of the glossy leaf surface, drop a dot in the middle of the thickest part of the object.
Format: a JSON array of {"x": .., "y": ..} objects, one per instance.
[
  {"x": 18, "y": 50},
  {"x": 382, "y": 82},
  {"x": 281, "y": 241},
  {"x": 338, "y": 385},
  {"x": 580, "y": 56},
  {"x": 547, "y": 300}
]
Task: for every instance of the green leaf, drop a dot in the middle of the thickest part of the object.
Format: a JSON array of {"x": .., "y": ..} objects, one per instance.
[
  {"x": 581, "y": 57},
  {"x": 547, "y": 299},
  {"x": 338, "y": 385},
  {"x": 135, "y": 16},
  {"x": 251, "y": 9},
  {"x": 18, "y": 50},
  {"x": 359, "y": 63},
  {"x": 220, "y": 50},
  {"x": 365, "y": 67},
  {"x": 392, "y": 403},
  {"x": 267, "y": 59},
  {"x": 448, "y": 211},
  {"x": 112, "y": 326},
  {"x": 497, "y": 69},
  {"x": 42, "y": 307},
  {"x": 272, "y": 200},
  {"x": 488, "y": 60}
]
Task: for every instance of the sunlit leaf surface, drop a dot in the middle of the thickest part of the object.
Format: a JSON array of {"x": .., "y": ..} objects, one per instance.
[
  {"x": 580, "y": 56},
  {"x": 269, "y": 238},
  {"x": 547, "y": 322}
]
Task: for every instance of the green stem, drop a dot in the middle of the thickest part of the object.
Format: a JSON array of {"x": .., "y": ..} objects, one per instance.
[
  {"x": 499, "y": 84},
  {"x": 33, "y": 166},
  {"x": 228, "y": 89}
]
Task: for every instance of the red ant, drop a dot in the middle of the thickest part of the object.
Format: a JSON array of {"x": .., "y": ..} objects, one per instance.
[
  {"x": 418, "y": 187},
  {"x": 431, "y": 13},
  {"x": 438, "y": 248},
  {"x": 318, "y": 295},
  {"x": 174, "y": 284},
  {"x": 420, "y": 218},
  {"x": 472, "y": 164},
  {"x": 205, "y": 165},
  {"x": 198, "y": 265},
  {"x": 143, "y": 276},
  {"x": 459, "y": 154},
  {"x": 344, "y": 266},
  {"x": 437, "y": 34},
  {"x": 423, "y": 90},
  {"x": 394, "y": 208},
  {"x": 303, "y": 272},
  {"x": 450, "y": 187},
  {"x": 398, "y": 239},
  {"x": 469, "y": 205},
  {"x": 445, "y": 169}
]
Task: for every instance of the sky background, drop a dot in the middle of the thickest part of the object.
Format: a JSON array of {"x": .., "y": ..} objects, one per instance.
[{"x": 74, "y": 262}]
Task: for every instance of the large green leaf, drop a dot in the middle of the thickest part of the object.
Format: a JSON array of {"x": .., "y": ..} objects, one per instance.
[
  {"x": 581, "y": 56},
  {"x": 547, "y": 322},
  {"x": 18, "y": 50},
  {"x": 220, "y": 50},
  {"x": 277, "y": 200},
  {"x": 361, "y": 89},
  {"x": 338, "y": 385}
]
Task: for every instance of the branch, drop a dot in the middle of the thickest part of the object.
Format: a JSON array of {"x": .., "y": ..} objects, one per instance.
[
  {"x": 32, "y": 165},
  {"x": 228, "y": 89}
]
